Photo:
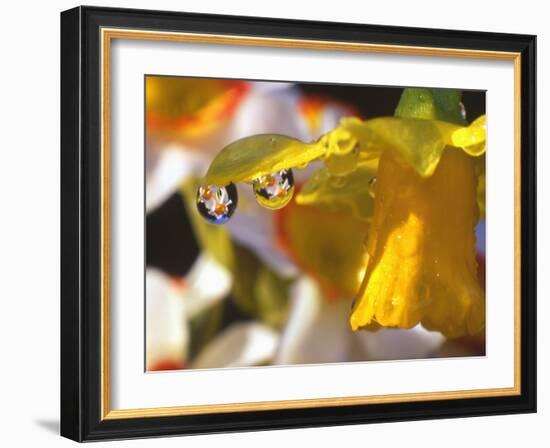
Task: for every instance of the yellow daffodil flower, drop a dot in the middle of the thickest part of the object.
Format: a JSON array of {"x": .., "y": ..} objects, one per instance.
[
  {"x": 425, "y": 169},
  {"x": 421, "y": 250},
  {"x": 422, "y": 264}
]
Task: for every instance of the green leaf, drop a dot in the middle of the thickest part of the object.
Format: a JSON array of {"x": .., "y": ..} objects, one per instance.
[
  {"x": 272, "y": 293},
  {"x": 431, "y": 104},
  {"x": 245, "y": 273},
  {"x": 203, "y": 327},
  {"x": 259, "y": 290}
]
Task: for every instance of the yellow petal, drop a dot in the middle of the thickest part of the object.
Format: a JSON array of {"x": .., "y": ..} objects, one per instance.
[
  {"x": 417, "y": 142},
  {"x": 327, "y": 245},
  {"x": 258, "y": 155},
  {"x": 471, "y": 138},
  {"x": 251, "y": 157},
  {"x": 342, "y": 164},
  {"x": 480, "y": 171},
  {"x": 421, "y": 247},
  {"x": 352, "y": 193}
]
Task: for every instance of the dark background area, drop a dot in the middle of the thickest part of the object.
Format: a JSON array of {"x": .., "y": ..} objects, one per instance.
[
  {"x": 372, "y": 101},
  {"x": 170, "y": 245}
]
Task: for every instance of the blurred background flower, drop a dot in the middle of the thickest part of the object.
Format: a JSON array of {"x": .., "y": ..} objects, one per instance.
[{"x": 243, "y": 293}]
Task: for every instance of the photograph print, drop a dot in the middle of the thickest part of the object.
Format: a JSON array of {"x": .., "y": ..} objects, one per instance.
[{"x": 300, "y": 223}]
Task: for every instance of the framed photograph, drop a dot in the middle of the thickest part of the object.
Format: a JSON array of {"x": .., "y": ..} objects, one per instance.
[{"x": 275, "y": 224}]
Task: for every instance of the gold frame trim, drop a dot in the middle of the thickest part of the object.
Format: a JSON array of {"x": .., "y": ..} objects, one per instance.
[{"x": 107, "y": 35}]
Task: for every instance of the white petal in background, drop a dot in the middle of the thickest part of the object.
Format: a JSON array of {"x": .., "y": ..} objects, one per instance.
[
  {"x": 318, "y": 330},
  {"x": 331, "y": 117},
  {"x": 207, "y": 283},
  {"x": 240, "y": 345},
  {"x": 253, "y": 227},
  {"x": 273, "y": 112},
  {"x": 166, "y": 330},
  {"x": 170, "y": 304},
  {"x": 165, "y": 171},
  {"x": 390, "y": 344},
  {"x": 268, "y": 86}
]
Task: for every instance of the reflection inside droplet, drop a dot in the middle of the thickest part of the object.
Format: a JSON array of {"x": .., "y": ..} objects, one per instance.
[
  {"x": 274, "y": 190},
  {"x": 217, "y": 204}
]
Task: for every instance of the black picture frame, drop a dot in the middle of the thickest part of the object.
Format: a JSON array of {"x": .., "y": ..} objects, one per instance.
[{"x": 81, "y": 224}]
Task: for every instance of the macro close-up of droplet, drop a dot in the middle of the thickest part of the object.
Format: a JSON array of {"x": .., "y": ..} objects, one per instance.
[
  {"x": 217, "y": 204},
  {"x": 274, "y": 190}
]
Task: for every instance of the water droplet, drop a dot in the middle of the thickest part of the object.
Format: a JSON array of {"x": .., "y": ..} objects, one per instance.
[
  {"x": 217, "y": 204},
  {"x": 274, "y": 190},
  {"x": 371, "y": 187},
  {"x": 462, "y": 110}
]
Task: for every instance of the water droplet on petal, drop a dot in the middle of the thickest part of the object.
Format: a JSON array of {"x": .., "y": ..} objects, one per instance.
[
  {"x": 274, "y": 190},
  {"x": 371, "y": 187},
  {"x": 217, "y": 204}
]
